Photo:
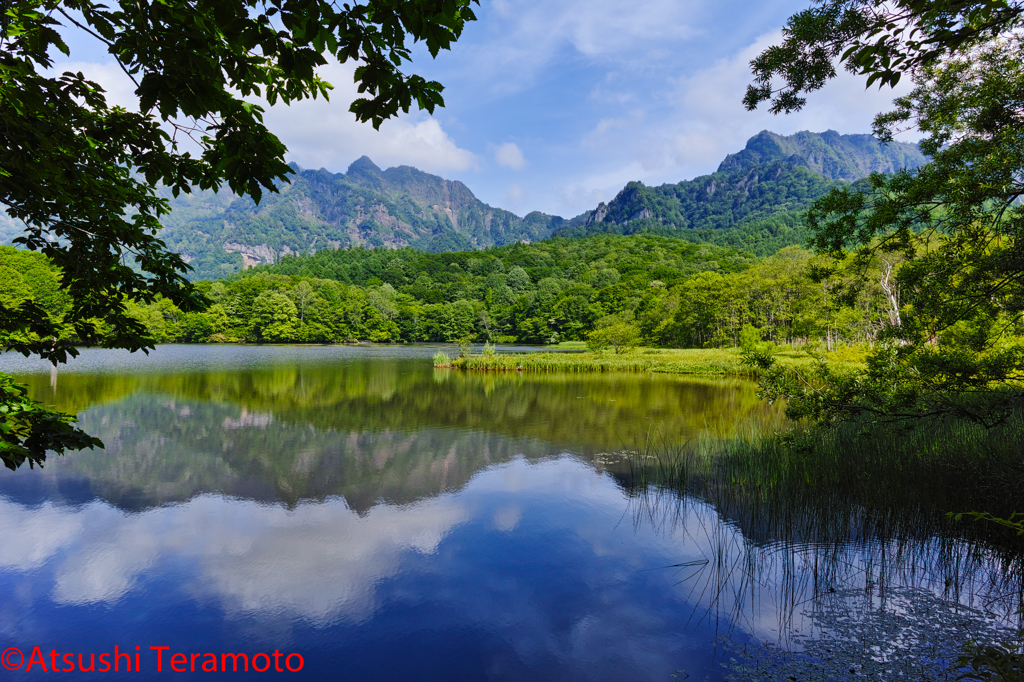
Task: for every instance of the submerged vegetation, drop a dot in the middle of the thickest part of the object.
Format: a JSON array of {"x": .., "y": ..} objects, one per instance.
[{"x": 850, "y": 528}]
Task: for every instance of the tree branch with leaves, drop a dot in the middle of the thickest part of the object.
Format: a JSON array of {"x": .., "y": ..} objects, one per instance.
[{"x": 81, "y": 174}]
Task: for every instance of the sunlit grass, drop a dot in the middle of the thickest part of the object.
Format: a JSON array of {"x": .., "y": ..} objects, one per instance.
[{"x": 727, "y": 361}]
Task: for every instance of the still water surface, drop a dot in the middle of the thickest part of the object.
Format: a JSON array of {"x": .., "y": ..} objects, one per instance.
[{"x": 390, "y": 521}]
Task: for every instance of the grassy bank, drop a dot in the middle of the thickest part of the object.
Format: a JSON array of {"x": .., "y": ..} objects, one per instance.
[{"x": 722, "y": 361}]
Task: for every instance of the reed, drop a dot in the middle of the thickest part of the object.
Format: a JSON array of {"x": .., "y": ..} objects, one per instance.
[
  {"x": 846, "y": 532},
  {"x": 887, "y": 485},
  {"x": 720, "y": 361},
  {"x": 944, "y": 466}
]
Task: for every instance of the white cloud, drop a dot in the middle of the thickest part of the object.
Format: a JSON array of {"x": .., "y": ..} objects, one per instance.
[
  {"x": 613, "y": 28},
  {"x": 606, "y": 92},
  {"x": 321, "y": 133},
  {"x": 526, "y": 37},
  {"x": 29, "y": 537},
  {"x": 696, "y": 119},
  {"x": 712, "y": 121},
  {"x": 609, "y": 130},
  {"x": 515, "y": 194},
  {"x": 322, "y": 561},
  {"x": 585, "y": 193},
  {"x": 509, "y": 155},
  {"x": 326, "y": 134},
  {"x": 507, "y": 518},
  {"x": 318, "y": 562}
]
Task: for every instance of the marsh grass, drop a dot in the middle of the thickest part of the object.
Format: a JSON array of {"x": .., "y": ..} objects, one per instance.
[
  {"x": 850, "y": 482},
  {"x": 845, "y": 534},
  {"x": 936, "y": 468},
  {"x": 723, "y": 361}
]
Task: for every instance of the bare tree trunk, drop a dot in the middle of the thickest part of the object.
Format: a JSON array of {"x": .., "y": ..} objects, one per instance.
[
  {"x": 828, "y": 320},
  {"x": 892, "y": 293}
]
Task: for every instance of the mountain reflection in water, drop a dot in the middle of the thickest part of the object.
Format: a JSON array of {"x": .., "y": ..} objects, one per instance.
[{"x": 386, "y": 520}]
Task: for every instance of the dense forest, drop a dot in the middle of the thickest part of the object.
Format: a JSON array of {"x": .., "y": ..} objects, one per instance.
[
  {"x": 686, "y": 265},
  {"x": 754, "y": 202},
  {"x": 633, "y": 289}
]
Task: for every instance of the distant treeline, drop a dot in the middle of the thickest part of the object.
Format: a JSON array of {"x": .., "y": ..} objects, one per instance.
[{"x": 658, "y": 291}]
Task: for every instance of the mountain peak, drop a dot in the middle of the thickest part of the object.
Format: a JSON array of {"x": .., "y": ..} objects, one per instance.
[
  {"x": 838, "y": 157},
  {"x": 365, "y": 172},
  {"x": 363, "y": 165},
  {"x": 756, "y": 202}
]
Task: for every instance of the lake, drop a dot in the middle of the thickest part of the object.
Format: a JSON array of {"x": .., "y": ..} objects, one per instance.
[{"x": 368, "y": 517}]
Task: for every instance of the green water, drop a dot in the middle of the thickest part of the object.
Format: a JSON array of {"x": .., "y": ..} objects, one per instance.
[
  {"x": 387, "y": 521},
  {"x": 299, "y": 423}
]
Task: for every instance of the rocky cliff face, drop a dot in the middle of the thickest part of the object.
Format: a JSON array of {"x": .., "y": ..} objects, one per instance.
[
  {"x": 365, "y": 206},
  {"x": 774, "y": 174},
  {"x": 837, "y": 157}
]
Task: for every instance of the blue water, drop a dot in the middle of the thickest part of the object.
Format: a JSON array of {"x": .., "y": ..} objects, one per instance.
[
  {"x": 527, "y": 573},
  {"x": 369, "y": 523}
]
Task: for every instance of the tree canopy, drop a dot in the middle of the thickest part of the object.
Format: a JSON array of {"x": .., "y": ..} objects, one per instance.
[
  {"x": 880, "y": 39},
  {"x": 81, "y": 174},
  {"x": 950, "y": 231}
]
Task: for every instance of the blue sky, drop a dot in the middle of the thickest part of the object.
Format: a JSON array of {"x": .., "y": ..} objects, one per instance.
[{"x": 553, "y": 105}]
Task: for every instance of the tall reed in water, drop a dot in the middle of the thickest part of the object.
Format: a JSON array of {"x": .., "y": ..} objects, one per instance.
[
  {"x": 838, "y": 542},
  {"x": 885, "y": 487}
]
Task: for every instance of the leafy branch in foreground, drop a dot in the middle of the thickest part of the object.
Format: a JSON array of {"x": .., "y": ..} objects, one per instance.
[
  {"x": 998, "y": 662},
  {"x": 81, "y": 175},
  {"x": 954, "y": 344},
  {"x": 1014, "y": 522},
  {"x": 880, "y": 39},
  {"x": 28, "y": 430}
]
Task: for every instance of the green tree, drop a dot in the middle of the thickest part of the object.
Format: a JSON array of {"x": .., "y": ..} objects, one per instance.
[
  {"x": 456, "y": 321},
  {"x": 700, "y": 319},
  {"x": 81, "y": 174},
  {"x": 618, "y": 331},
  {"x": 378, "y": 328},
  {"x": 517, "y": 279},
  {"x": 571, "y": 316},
  {"x": 274, "y": 318},
  {"x": 949, "y": 232},
  {"x": 881, "y": 39},
  {"x": 304, "y": 296}
]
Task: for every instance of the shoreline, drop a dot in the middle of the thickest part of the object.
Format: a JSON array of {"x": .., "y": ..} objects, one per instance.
[{"x": 706, "y": 361}]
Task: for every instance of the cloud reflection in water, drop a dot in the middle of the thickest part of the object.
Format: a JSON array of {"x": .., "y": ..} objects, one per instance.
[{"x": 318, "y": 562}]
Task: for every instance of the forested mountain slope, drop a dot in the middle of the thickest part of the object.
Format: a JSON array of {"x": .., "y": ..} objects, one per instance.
[
  {"x": 365, "y": 206},
  {"x": 753, "y": 202},
  {"x": 837, "y": 157},
  {"x": 756, "y": 198}
]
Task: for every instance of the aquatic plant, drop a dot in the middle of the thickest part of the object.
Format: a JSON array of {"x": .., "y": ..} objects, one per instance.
[
  {"x": 846, "y": 532},
  {"x": 997, "y": 662}
]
